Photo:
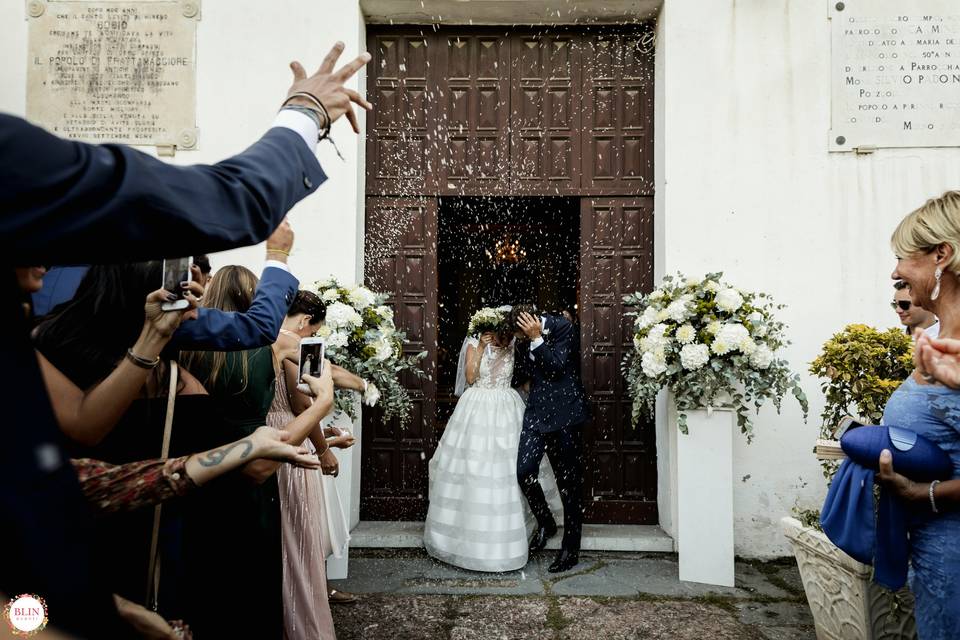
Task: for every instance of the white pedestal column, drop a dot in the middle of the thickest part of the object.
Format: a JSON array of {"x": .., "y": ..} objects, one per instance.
[
  {"x": 705, "y": 497},
  {"x": 348, "y": 486}
]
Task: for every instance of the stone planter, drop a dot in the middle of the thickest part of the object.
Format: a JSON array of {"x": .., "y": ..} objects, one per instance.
[{"x": 845, "y": 602}]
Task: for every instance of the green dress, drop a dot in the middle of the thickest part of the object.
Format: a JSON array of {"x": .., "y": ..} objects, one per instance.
[{"x": 234, "y": 533}]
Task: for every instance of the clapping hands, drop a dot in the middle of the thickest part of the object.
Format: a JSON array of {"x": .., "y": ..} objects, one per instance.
[{"x": 937, "y": 359}]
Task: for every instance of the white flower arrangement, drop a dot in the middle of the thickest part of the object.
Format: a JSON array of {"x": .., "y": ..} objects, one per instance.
[
  {"x": 706, "y": 341},
  {"x": 486, "y": 319},
  {"x": 360, "y": 336}
]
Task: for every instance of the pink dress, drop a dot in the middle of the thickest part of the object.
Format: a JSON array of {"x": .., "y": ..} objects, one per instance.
[{"x": 306, "y": 611}]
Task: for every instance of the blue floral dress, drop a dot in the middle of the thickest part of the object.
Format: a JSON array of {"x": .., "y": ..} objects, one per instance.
[{"x": 933, "y": 411}]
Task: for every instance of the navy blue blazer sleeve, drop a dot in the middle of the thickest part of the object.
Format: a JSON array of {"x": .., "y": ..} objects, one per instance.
[
  {"x": 551, "y": 356},
  {"x": 69, "y": 202},
  {"x": 259, "y": 326}
]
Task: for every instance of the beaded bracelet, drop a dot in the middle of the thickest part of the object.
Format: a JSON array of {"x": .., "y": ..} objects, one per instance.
[{"x": 933, "y": 503}]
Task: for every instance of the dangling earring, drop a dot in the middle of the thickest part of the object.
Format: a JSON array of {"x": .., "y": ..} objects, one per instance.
[{"x": 936, "y": 288}]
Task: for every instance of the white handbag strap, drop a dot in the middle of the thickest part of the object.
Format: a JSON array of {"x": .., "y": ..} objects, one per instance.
[{"x": 153, "y": 572}]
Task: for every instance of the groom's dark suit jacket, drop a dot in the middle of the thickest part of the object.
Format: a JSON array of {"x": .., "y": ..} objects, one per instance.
[{"x": 557, "y": 399}]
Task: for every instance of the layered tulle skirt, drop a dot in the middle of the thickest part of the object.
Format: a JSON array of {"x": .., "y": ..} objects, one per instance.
[{"x": 477, "y": 517}]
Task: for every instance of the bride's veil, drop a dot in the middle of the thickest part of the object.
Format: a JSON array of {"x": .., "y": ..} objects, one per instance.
[{"x": 461, "y": 385}]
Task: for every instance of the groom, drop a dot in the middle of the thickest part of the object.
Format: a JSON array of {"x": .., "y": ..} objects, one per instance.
[{"x": 548, "y": 351}]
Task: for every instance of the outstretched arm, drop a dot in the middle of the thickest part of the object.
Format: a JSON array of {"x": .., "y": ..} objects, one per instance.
[
  {"x": 64, "y": 200},
  {"x": 109, "y": 488}
]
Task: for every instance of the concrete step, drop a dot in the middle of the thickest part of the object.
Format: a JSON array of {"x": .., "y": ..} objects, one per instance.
[{"x": 377, "y": 534}]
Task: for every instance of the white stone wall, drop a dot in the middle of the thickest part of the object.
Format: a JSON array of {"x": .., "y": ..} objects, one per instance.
[{"x": 744, "y": 185}]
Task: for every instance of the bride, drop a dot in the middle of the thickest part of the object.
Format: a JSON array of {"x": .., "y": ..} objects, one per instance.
[{"x": 477, "y": 518}]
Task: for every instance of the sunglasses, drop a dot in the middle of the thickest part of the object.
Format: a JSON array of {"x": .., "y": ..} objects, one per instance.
[{"x": 901, "y": 304}]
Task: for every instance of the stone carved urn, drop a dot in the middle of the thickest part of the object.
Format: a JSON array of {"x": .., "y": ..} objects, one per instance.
[{"x": 845, "y": 602}]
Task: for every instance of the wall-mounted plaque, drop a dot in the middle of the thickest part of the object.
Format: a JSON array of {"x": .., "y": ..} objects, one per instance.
[
  {"x": 895, "y": 74},
  {"x": 114, "y": 71}
]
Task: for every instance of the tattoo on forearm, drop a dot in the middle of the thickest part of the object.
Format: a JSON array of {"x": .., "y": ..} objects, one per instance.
[{"x": 215, "y": 457}]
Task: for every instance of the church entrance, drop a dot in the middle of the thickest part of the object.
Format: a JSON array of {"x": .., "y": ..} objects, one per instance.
[{"x": 506, "y": 166}]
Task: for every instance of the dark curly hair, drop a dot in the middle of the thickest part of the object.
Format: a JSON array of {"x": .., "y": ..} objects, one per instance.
[{"x": 515, "y": 312}]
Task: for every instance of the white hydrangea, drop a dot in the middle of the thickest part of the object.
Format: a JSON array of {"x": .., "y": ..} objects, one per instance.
[
  {"x": 338, "y": 339},
  {"x": 330, "y": 295},
  {"x": 729, "y": 338},
  {"x": 712, "y": 286},
  {"x": 343, "y": 315},
  {"x": 662, "y": 315},
  {"x": 657, "y": 331},
  {"x": 653, "y": 363},
  {"x": 694, "y": 356},
  {"x": 645, "y": 319},
  {"x": 729, "y": 300},
  {"x": 384, "y": 350},
  {"x": 686, "y": 333},
  {"x": 678, "y": 310},
  {"x": 761, "y": 357},
  {"x": 361, "y": 297}
]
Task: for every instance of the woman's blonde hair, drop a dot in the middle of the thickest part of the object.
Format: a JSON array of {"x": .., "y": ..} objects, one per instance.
[
  {"x": 232, "y": 288},
  {"x": 923, "y": 230}
]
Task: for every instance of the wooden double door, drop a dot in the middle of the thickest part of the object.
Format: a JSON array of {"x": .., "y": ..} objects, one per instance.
[{"x": 480, "y": 111}]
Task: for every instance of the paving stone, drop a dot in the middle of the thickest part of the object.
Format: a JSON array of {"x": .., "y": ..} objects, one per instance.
[
  {"x": 588, "y": 619},
  {"x": 775, "y": 613},
  {"x": 756, "y": 580}
]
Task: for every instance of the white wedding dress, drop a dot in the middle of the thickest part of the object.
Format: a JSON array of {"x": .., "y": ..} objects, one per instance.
[{"x": 478, "y": 518}]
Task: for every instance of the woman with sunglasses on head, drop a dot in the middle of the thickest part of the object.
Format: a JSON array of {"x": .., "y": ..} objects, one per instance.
[{"x": 912, "y": 316}]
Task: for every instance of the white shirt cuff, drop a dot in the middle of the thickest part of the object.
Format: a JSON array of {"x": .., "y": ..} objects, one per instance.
[
  {"x": 536, "y": 343},
  {"x": 277, "y": 264},
  {"x": 299, "y": 123}
]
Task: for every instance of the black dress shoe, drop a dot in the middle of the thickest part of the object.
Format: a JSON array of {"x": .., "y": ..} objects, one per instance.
[
  {"x": 565, "y": 561},
  {"x": 539, "y": 538}
]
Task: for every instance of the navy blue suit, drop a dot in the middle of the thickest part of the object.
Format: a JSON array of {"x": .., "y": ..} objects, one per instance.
[
  {"x": 259, "y": 326},
  {"x": 69, "y": 202},
  {"x": 553, "y": 423}
]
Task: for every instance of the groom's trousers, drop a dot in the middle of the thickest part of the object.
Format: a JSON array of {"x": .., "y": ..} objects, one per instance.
[{"x": 564, "y": 449}]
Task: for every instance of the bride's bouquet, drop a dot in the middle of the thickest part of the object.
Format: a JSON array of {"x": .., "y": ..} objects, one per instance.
[
  {"x": 361, "y": 337},
  {"x": 486, "y": 319},
  {"x": 709, "y": 344}
]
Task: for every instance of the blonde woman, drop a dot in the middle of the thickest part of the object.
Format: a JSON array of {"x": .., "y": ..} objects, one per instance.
[{"x": 927, "y": 247}]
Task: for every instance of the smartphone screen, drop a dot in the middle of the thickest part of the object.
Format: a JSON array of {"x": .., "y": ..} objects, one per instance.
[
  {"x": 176, "y": 271},
  {"x": 312, "y": 351}
]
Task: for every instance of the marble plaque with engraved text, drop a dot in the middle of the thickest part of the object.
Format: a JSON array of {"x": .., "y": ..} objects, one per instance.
[
  {"x": 114, "y": 71},
  {"x": 895, "y": 73}
]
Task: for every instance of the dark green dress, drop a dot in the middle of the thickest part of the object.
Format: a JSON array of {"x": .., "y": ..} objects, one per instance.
[{"x": 233, "y": 536}]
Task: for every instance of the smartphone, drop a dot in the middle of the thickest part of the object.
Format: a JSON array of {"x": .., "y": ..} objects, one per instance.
[
  {"x": 174, "y": 272},
  {"x": 312, "y": 352}
]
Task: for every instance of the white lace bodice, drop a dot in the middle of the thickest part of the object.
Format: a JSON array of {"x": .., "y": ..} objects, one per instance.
[{"x": 496, "y": 368}]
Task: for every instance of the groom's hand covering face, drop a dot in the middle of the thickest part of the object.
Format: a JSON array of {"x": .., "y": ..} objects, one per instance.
[{"x": 530, "y": 326}]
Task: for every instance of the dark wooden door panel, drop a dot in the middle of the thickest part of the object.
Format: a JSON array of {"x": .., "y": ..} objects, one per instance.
[
  {"x": 616, "y": 258},
  {"x": 401, "y": 136},
  {"x": 474, "y": 89},
  {"x": 618, "y": 85},
  {"x": 401, "y": 259},
  {"x": 545, "y": 108}
]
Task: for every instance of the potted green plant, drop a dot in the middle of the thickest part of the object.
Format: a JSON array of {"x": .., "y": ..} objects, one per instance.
[{"x": 860, "y": 368}]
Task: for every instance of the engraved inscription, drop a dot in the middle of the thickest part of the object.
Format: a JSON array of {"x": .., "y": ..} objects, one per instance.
[
  {"x": 115, "y": 71},
  {"x": 895, "y": 74}
]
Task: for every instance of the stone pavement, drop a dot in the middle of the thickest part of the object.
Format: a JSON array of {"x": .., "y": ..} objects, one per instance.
[{"x": 407, "y": 595}]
